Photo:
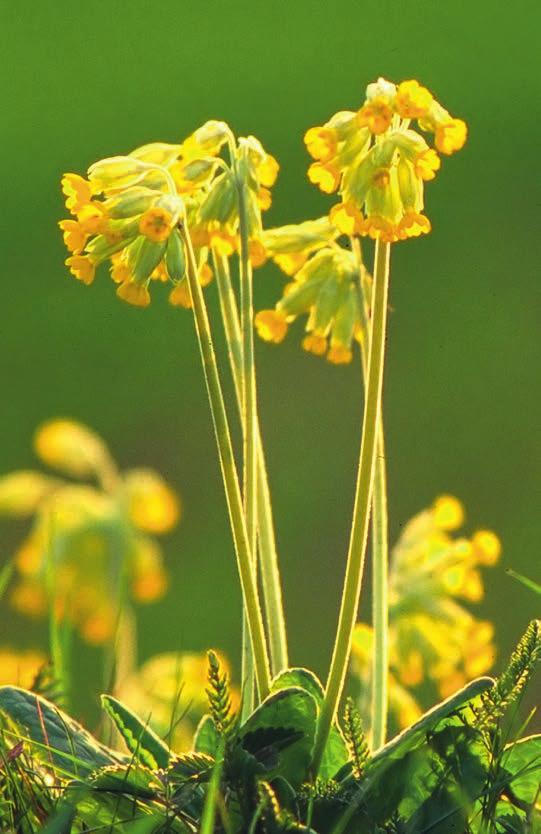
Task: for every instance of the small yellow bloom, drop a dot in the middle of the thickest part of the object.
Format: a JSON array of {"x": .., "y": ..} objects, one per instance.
[
  {"x": 412, "y": 101},
  {"x": 29, "y": 598},
  {"x": 325, "y": 176},
  {"x": 78, "y": 192},
  {"x": 347, "y": 218},
  {"x": 315, "y": 343},
  {"x": 271, "y": 325},
  {"x": 487, "y": 547},
  {"x": 264, "y": 198},
  {"x": 180, "y": 295},
  {"x": 99, "y": 627},
  {"x": 321, "y": 143},
  {"x": 153, "y": 506},
  {"x": 267, "y": 171},
  {"x": 257, "y": 252},
  {"x": 376, "y": 115},
  {"x": 120, "y": 272},
  {"x": 71, "y": 447},
  {"x": 427, "y": 163},
  {"x": 82, "y": 267},
  {"x": 413, "y": 224},
  {"x": 448, "y": 512},
  {"x": 340, "y": 354},
  {"x": 135, "y": 294},
  {"x": 75, "y": 237},
  {"x": 22, "y": 492},
  {"x": 150, "y": 587},
  {"x": 451, "y": 136},
  {"x": 156, "y": 224}
]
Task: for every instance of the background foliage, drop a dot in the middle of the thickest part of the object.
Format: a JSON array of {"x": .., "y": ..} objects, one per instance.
[{"x": 463, "y": 401}]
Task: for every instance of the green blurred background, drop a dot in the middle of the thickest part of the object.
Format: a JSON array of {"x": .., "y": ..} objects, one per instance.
[{"x": 462, "y": 394}]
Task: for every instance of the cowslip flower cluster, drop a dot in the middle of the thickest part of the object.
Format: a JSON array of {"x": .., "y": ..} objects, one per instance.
[
  {"x": 130, "y": 210},
  {"x": 325, "y": 287},
  {"x": 170, "y": 688},
  {"x": 432, "y": 636},
  {"x": 378, "y": 162},
  {"x": 86, "y": 538}
]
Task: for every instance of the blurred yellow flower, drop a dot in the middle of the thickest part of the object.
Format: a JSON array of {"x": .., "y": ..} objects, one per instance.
[
  {"x": 86, "y": 540},
  {"x": 19, "y": 668},
  {"x": 172, "y": 686},
  {"x": 433, "y": 638},
  {"x": 379, "y": 163}
]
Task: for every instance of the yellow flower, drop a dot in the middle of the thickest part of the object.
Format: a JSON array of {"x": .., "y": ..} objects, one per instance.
[
  {"x": 376, "y": 115},
  {"x": 448, "y": 512},
  {"x": 75, "y": 237},
  {"x": 451, "y": 136},
  {"x": 487, "y": 547},
  {"x": 20, "y": 668},
  {"x": 82, "y": 267},
  {"x": 325, "y": 176},
  {"x": 153, "y": 506},
  {"x": 156, "y": 224},
  {"x": 412, "y": 101},
  {"x": 271, "y": 325},
  {"x": 78, "y": 192},
  {"x": 135, "y": 294},
  {"x": 379, "y": 163},
  {"x": 22, "y": 492},
  {"x": 324, "y": 288},
  {"x": 71, "y": 447}
]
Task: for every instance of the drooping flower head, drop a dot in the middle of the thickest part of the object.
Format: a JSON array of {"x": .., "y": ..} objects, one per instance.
[
  {"x": 95, "y": 535},
  {"x": 379, "y": 163},
  {"x": 129, "y": 209},
  {"x": 433, "y": 637},
  {"x": 325, "y": 288}
]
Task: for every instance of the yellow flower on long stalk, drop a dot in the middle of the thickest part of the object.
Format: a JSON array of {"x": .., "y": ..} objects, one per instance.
[
  {"x": 379, "y": 163},
  {"x": 94, "y": 535}
]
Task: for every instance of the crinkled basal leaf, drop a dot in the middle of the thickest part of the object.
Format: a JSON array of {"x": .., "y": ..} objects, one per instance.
[
  {"x": 279, "y": 736},
  {"x": 190, "y": 767},
  {"x": 521, "y": 764},
  {"x": 335, "y": 755},
  {"x": 431, "y": 773},
  {"x": 206, "y": 737},
  {"x": 140, "y": 739},
  {"x": 59, "y": 741}
]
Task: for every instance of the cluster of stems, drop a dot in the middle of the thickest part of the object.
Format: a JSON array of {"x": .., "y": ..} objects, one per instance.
[{"x": 265, "y": 651}]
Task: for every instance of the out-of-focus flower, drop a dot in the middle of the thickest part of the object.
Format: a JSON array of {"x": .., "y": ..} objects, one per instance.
[
  {"x": 19, "y": 668},
  {"x": 86, "y": 540},
  {"x": 325, "y": 288},
  {"x": 379, "y": 163},
  {"x": 130, "y": 209},
  {"x": 433, "y": 637},
  {"x": 169, "y": 687}
]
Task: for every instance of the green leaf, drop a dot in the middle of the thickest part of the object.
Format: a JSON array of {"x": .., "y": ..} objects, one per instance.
[
  {"x": 129, "y": 779},
  {"x": 522, "y": 764},
  {"x": 279, "y": 735},
  {"x": 140, "y": 739},
  {"x": 335, "y": 755},
  {"x": 61, "y": 821},
  {"x": 56, "y": 739},
  {"x": 206, "y": 739}
]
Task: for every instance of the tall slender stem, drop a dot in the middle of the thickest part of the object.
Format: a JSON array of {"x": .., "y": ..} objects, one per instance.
[
  {"x": 380, "y": 549},
  {"x": 361, "y": 511},
  {"x": 249, "y": 411},
  {"x": 270, "y": 573},
  {"x": 229, "y": 473}
]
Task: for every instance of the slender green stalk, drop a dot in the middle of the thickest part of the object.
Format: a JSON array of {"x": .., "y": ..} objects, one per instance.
[
  {"x": 270, "y": 573},
  {"x": 380, "y": 552},
  {"x": 361, "y": 511},
  {"x": 229, "y": 474},
  {"x": 211, "y": 799},
  {"x": 249, "y": 424}
]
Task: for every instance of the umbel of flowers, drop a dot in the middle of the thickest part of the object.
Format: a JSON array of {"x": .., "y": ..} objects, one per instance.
[
  {"x": 130, "y": 210},
  {"x": 87, "y": 539},
  {"x": 378, "y": 163}
]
